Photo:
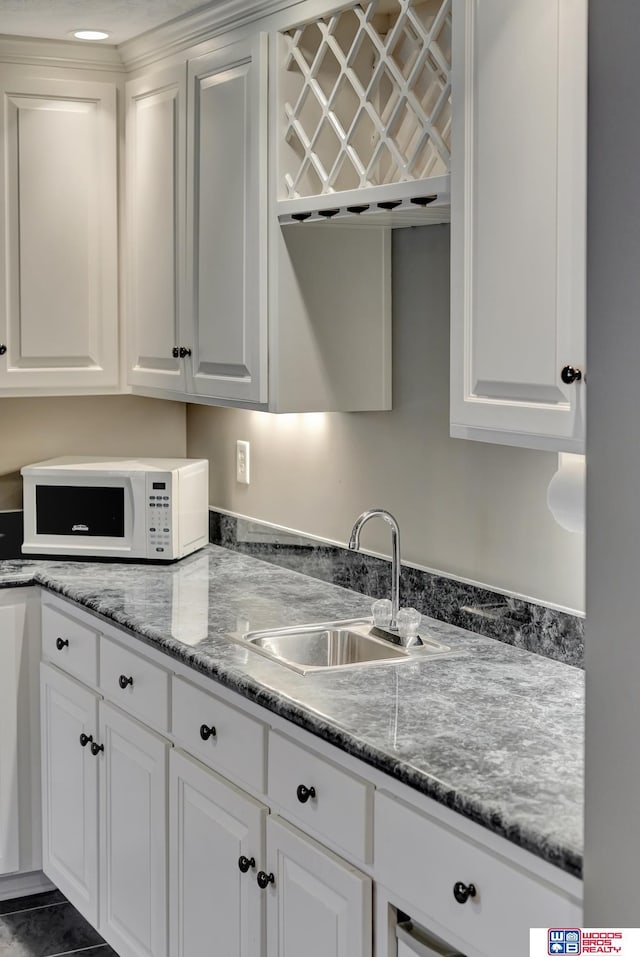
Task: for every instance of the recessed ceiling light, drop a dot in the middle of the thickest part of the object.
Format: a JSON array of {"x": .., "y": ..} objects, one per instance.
[{"x": 90, "y": 34}]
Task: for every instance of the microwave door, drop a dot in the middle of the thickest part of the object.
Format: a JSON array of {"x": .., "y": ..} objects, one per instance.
[
  {"x": 71, "y": 511},
  {"x": 107, "y": 519}
]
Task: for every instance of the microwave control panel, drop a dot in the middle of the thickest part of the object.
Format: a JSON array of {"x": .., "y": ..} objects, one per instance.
[{"x": 159, "y": 512}]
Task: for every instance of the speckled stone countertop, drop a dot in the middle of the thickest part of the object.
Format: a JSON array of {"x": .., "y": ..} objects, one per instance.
[{"x": 495, "y": 733}]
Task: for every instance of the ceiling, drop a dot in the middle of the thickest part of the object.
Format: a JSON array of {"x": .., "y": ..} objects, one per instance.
[{"x": 122, "y": 19}]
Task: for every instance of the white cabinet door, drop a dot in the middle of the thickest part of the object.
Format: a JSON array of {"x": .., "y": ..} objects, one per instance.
[
  {"x": 11, "y": 637},
  {"x": 518, "y": 192},
  {"x": 317, "y": 904},
  {"x": 58, "y": 244},
  {"x": 213, "y": 825},
  {"x": 133, "y": 836},
  {"x": 70, "y": 790},
  {"x": 226, "y": 225},
  {"x": 156, "y": 157}
]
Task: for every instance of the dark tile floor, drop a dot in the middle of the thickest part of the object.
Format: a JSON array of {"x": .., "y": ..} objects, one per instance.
[{"x": 47, "y": 925}]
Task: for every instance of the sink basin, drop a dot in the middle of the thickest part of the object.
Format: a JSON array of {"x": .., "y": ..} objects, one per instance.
[{"x": 333, "y": 645}]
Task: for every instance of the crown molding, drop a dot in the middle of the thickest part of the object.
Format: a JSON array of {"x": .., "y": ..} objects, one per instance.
[
  {"x": 32, "y": 51},
  {"x": 187, "y": 31}
]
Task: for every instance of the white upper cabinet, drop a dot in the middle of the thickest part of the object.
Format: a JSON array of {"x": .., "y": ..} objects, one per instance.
[
  {"x": 284, "y": 319},
  {"x": 197, "y": 257},
  {"x": 155, "y": 186},
  {"x": 518, "y": 222},
  {"x": 58, "y": 246},
  {"x": 226, "y": 328}
]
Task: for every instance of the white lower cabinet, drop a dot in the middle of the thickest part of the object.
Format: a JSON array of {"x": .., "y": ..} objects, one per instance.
[
  {"x": 19, "y": 735},
  {"x": 317, "y": 904},
  {"x": 339, "y": 810},
  {"x": 220, "y": 875},
  {"x": 216, "y": 844},
  {"x": 473, "y": 898},
  {"x": 9, "y": 838},
  {"x": 70, "y": 790},
  {"x": 168, "y": 857},
  {"x": 104, "y": 815},
  {"x": 220, "y": 878},
  {"x": 133, "y": 840}
]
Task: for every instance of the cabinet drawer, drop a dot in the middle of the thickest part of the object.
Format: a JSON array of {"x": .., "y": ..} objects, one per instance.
[
  {"x": 238, "y": 746},
  {"x": 422, "y": 860},
  {"x": 340, "y": 807},
  {"x": 69, "y": 644},
  {"x": 134, "y": 684}
]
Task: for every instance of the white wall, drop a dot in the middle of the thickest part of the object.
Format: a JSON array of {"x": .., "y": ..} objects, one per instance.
[
  {"x": 467, "y": 508},
  {"x": 612, "y": 646},
  {"x": 36, "y": 429}
]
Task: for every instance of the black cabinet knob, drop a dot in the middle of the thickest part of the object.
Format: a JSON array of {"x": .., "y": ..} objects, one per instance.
[
  {"x": 123, "y": 681},
  {"x": 304, "y": 793},
  {"x": 207, "y": 732},
  {"x": 175, "y": 352},
  {"x": 85, "y": 738},
  {"x": 96, "y": 749},
  {"x": 3, "y": 349},
  {"x": 462, "y": 892},
  {"x": 184, "y": 352},
  {"x": 245, "y": 863},
  {"x": 569, "y": 375},
  {"x": 62, "y": 643},
  {"x": 265, "y": 879}
]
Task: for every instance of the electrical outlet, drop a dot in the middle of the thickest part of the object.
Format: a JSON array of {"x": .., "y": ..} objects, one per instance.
[{"x": 242, "y": 462}]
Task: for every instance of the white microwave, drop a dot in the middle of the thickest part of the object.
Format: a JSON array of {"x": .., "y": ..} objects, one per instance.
[{"x": 142, "y": 509}]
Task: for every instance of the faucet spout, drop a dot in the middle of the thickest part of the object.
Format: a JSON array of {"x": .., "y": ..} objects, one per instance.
[{"x": 354, "y": 545}]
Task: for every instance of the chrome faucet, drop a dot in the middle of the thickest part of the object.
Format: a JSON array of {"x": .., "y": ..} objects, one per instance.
[{"x": 354, "y": 544}]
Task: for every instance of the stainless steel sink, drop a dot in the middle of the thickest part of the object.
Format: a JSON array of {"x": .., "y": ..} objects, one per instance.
[{"x": 333, "y": 645}]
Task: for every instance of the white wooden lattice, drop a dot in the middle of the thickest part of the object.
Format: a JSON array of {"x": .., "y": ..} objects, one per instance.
[{"x": 367, "y": 97}]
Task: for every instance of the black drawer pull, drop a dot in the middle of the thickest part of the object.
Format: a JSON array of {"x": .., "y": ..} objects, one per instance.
[
  {"x": 85, "y": 739},
  {"x": 96, "y": 749},
  {"x": 62, "y": 643},
  {"x": 123, "y": 681},
  {"x": 207, "y": 732},
  {"x": 462, "y": 892},
  {"x": 245, "y": 863},
  {"x": 264, "y": 879},
  {"x": 304, "y": 793}
]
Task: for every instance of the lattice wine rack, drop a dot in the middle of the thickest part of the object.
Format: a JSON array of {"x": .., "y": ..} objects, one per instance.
[{"x": 365, "y": 103}]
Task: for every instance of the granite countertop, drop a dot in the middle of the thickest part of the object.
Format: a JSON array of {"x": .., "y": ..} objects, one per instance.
[{"x": 495, "y": 733}]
